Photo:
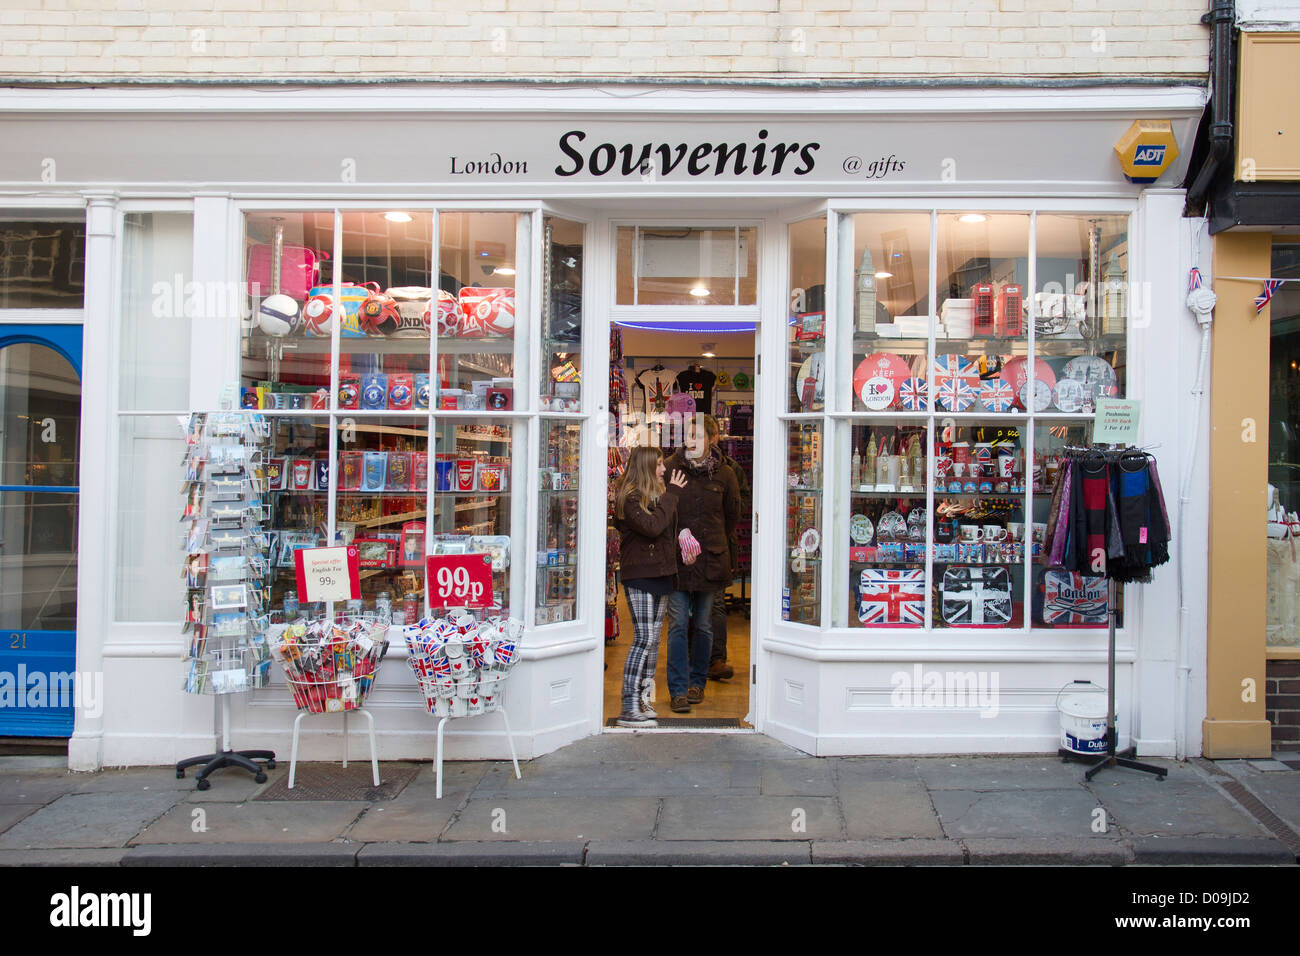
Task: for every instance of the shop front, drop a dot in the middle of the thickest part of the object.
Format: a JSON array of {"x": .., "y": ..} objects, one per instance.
[{"x": 417, "y": 293}]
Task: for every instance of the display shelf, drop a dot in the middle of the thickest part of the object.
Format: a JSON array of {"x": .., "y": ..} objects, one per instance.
[
  {"x": 375, "y": 344},
  {"x": 469, "y": 494},
  {"x": 491, "y": 439},
  {"x": 390, "y": 519}
]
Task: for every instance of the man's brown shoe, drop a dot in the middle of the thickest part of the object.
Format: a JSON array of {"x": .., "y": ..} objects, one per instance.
[
  {"x": 695, "y": 695},
  {"x": 721, "y": 670},
  {"x": 680, "y": 705}
]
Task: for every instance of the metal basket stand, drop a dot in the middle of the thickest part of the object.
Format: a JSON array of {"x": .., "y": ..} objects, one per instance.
[{"x": 370, "y": 732}]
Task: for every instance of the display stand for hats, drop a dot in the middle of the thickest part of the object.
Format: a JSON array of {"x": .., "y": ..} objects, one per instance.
[
  {"x": 314, "y": 697},
  {"x": 228, "y": 653},
  {"x": 429, "y": 687},
  {"x": 1112, "y": 757}
]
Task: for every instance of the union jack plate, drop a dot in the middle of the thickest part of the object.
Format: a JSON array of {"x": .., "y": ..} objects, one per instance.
[
  {"x": 996, "y": 395},
  {"x": 914, "y": 395},
  {"x": 956, "y": 383}
]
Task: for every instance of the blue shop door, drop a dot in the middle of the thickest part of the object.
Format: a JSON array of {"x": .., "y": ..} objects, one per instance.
[{"x": 40, "y": 435}]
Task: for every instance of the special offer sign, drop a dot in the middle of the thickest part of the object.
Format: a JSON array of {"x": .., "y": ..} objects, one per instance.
[
  {"x": 459, "y": 580},
  {"x": 327, "y": 574}
]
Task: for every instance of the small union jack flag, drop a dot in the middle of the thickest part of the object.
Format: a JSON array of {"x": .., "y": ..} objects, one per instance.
[
  {"x": 1270, "y": 286},
  {"x": 890, "y": 596},
  {"x": 914, "y": 395}
]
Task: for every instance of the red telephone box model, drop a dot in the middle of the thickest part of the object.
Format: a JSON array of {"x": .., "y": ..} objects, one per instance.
[
  {"x": 982, "y": 310},
  {"x": 1011, "y": 311}
]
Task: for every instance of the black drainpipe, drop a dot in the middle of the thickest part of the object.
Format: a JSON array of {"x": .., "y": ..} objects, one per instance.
[{"x": 1221, "y": 21}]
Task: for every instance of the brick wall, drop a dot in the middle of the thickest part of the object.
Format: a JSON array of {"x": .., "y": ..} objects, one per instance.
[
  {"x": 1282, "y": 703},
  {"x": 234, "y": 39}
]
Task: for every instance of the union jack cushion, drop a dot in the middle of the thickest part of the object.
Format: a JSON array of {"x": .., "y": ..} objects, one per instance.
[
  {"x": 889, "y": 596},
  {"x": 1071, "y": 598},
  {"x": 975, "y": 596}
]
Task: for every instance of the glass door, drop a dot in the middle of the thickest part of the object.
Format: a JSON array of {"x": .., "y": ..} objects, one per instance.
[{"x": 40, "y": 431}]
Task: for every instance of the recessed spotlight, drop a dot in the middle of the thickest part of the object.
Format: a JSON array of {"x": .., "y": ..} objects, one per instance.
[
  {"x": 504, "y": 271},
  {"x": 884, "y": 275},
  {"x": 972, "y": 217},
  {"x": 397, "y": 216},
  {"x": 699, "y": 292},
  {"x": 707, "y": 355}
]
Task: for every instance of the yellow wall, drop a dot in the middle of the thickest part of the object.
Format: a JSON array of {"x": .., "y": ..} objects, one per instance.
[
  {"x": 1238, "y": 511},
  {"x": 1268, "y": 111}
]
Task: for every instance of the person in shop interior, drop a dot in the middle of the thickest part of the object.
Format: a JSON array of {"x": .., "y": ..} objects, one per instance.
[
  {"x": 645, "y": 514},
  {"x": 719, "y": 669},
  {"x": 708, "y": 508}
]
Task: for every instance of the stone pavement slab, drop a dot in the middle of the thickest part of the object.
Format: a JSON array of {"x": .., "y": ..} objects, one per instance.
[
  {"x": 810, "y": 778},
  {"x": 888, "y": 808},
  {"x": 848, "y": 769},
  {"x": 233, "y": 789},
  {"x": 1047, "y": 851},
  {"x": 40, "y": 786},
  {"x": 1015, "y": 813},
  {"x": 698, "y": 853},
  {"x": 610, "y": 779},
  {"x": 13, "y": 812},
  {"x": 148, "y": 779},
  {"x": 556, "y": 819},
  {"x": 749, "y": 818},
  {"x": 889, "y": 853},
  {"x": 1179, "y": 805},
  {"x": 254, "y": 822},
  {"x": 471, "y": 854},
  {"x": 672, "y": 748},
  {"x": 1280, "y": 792},
  {"x": 998, "y": 773},
  {"x": 417, "y": 817},
  {"x": 88, "y": 820}
]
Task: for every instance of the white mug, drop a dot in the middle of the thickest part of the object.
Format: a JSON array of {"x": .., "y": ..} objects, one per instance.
[
  {"x": 993, "y": 532},
  {"x": 972, "y": 533},
  {"x": 1015, "y": 530}
]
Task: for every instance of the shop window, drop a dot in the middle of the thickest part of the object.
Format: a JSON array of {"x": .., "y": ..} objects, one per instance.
[
  {"x": 801, "y": 591},
  {"x": 42, "y": 261},
  {"x": 562, "y": 302},
  {"x": 557, "y": 523},
  {"x": 687, "y": 265},
  {"x": 160, "y": 302},
  {"x": 1283, "y": 608},
  {"x": 953, "y": 429},
  {"x": 807, "y": 324}
]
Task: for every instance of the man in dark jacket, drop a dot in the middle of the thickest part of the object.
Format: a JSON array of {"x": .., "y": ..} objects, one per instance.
[{"x": 707, "y": 511}]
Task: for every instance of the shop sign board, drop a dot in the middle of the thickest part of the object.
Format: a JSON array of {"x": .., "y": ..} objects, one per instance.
[{"x": 1117, "y": 421}]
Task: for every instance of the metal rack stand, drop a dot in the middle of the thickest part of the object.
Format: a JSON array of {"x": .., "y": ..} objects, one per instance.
[{"x": 227, "y": 757}]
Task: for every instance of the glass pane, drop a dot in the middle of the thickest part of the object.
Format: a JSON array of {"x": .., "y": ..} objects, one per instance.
[
  {"x": 890, "y": 318},
  {"x": 286, "y": 345},
  {"x": 1082, "y": 308},
  {"x": 687, "y": 265},
  {"x": 887, "y": 524},
  {"x": 807, "y": 372},
  {"x": 149, "y": 509},
  {"x": 980, "y": 358},
  {"x": 557, "y": 522},
  {"x": 1283, "y": 447},
  {"x": 40, "y": 408},
  {"x": 979, "y": 526},
  {"x": 801, "y": 592},
  {"x": 42, "y": 262},
  {"x": 383, "y": 482},
  {"x": 472, "y": 504},
  {"x": 38, "y": 561},
  {"x": 386, "y": 262},
  {"x": 477, "y": 258},
  {"x": 159, "y": 302},
  {"x": 297, "y": 492},
  {"x": 1062, "y": 598},
  {"x": 562, "y": 302}
]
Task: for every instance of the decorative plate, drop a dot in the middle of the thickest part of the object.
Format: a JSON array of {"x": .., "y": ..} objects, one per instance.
[
  {"x": 879, "y": 365},
  {"x": 914, "y": 395},
  {"x": 997, "y": 395},
  {"x": 810, "y": 383},
  {"x": 956, "y": 383},
  {"x": 740, "y": 380},
  {"x": 1016, "y": 373},
  {"x": 860, "y": 529},
  {"x": 1095, "y": 371},
  {"x": 1039, "y": 393},
  {"x": 724, "y": 380},
  {"x": 1069, "y": 394}
]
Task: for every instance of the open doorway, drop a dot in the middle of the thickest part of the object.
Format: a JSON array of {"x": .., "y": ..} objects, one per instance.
[{"x": 670, "y": 375}]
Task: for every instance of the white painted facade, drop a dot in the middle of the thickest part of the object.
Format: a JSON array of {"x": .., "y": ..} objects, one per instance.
[{"x": 215, "y": 154}]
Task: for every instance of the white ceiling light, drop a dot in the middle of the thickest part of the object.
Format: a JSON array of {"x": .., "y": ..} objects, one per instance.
[
  {"x": 972, "y": 217},
  {"x": 504, "y": 271},
  {"x": 884, "y": 275},
  {"x": 397, "y": 216}
]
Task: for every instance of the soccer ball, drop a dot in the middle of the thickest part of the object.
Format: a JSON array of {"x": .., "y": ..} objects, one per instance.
[
  {"x": 379, "y": 315},
  {"x": 278, "y": 315},
  {"x": 448, "y": 314},
  {"x": 318, "y": 315}
]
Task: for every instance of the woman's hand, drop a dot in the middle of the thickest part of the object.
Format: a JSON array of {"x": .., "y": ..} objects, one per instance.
[{"x": 677, "y": 478}]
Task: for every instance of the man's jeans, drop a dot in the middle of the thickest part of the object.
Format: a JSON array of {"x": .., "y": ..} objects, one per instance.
[{"x": 688, "y": 657}]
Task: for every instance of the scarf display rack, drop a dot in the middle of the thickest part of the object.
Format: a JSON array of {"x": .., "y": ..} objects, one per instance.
[{"x": 1120, "y": 530}]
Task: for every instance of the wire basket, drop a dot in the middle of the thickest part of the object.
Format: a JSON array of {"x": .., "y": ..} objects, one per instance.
[
  {"x": 331, "y": 668},
  {"x": 461, "y": 664}
]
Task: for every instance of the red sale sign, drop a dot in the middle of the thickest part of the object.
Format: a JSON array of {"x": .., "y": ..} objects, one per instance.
[{"x": 459, "y": 580}]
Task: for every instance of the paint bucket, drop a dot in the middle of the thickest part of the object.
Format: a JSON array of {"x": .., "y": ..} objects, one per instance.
[{"x": 1082, "y": 708}]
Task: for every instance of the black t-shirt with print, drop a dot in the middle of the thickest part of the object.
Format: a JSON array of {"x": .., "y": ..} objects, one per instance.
[{"x": 698, "y": 383}]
